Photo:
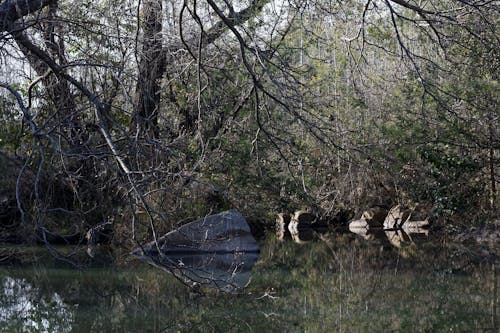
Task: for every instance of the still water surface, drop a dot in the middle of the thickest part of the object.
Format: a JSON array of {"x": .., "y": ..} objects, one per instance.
[{"x": 335, "y": 283}]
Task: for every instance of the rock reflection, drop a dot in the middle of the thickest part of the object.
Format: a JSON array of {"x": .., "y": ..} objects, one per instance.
[
  {"x": 217, "y": 251},
  {"x": 398, "y": 238},
  {"x": 301, "y": 227},
  {"x": 282, "y": 222},
  {"x": 303, "y": 235},
  {"x": 393, "y": 226},
  {"x": 367, "y": 232},
  {"x": 228, "y": 272}
]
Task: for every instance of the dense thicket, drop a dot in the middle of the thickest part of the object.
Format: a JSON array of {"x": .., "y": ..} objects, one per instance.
[{"x": 154, "y": 112}]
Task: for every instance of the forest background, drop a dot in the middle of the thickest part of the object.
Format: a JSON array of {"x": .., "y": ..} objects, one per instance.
[{"x": 146, "y": 114}]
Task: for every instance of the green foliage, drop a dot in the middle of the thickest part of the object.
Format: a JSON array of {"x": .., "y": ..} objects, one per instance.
[
  {"x": 454, "y": 189},
  {"x": 433, "y": 153},
  {"x": 10, "y": 124}
]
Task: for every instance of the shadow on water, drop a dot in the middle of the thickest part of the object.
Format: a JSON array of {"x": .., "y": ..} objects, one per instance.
[{"x": 313, "y": 282}]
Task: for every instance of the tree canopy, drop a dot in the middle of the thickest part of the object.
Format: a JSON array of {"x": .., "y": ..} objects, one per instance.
[{"x": 158, "y": 111}]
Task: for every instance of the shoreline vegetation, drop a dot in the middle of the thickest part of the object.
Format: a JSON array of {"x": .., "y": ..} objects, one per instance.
[{"x": 378, "y": 218}]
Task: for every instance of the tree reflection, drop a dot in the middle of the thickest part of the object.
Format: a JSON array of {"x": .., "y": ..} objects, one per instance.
[
  {"x": 24, "y": 309},
  {"x": 330, "y": 284}
]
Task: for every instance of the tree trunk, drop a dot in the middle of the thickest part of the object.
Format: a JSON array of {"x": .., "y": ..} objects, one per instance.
[
  {"x": 151, "y": 70},
  {"x": 57, "y": 88}
]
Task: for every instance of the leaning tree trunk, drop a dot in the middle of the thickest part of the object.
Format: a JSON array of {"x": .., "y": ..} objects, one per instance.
[{"x": 77, "y": 159}]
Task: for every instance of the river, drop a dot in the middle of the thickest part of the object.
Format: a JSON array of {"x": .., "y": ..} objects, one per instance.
[{"x": 333, "y": 283}]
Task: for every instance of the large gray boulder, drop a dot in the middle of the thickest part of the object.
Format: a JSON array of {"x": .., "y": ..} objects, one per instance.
[
  {"x": 224, "y": 232},
  {"x": 216, "y": 251}
]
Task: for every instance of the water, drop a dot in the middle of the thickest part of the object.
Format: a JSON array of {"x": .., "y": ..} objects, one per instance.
[{"x": 335, "y": 283}]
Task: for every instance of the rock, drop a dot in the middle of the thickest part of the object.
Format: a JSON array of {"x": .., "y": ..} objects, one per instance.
[
  {"x": 216, "y": 251},
  {"x": 397, "y": 226},
  {"x": 305, "y": 217},
  {"x": 375, "y": 216},
  {"x": 295, "y": 227},
  {"x": 100, "y": 233},
  {"x": 371, "y": 218},
  {"x": 363, "y": 229},
  {"x": 367, "y": 233},
  {"x": 359, "y": 227},
  {"x": 340, "y": 219},
  {"x": 399, "y": 238},
  {"x": 358, "y": 224},
  {"x": 416, "y": 227},
  {"x": 300, "y": 227},
  {"x": 282, "y": 222},
  {"x": 300, "y": 220},
  {"x": 399, "y": 218},
  {"x": 396, "y": 217},
  {"x": 224, "y": 232}
]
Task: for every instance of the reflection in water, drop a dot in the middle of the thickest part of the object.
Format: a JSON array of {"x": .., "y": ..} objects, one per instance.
[
  {"x": 24, "y": 309},
  {"x": 299, "y": 227},
  {"x": 398, "y": 237},
  {"x": 282, "y": 222},
  {"x": 228, "y": 272},
  {"x": 303, "y": 235},
  {"x": 346, "y": 285},
  {"x": 217, "y": 251},
  {"x": 402, "y": 238}
]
